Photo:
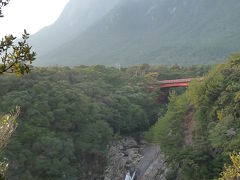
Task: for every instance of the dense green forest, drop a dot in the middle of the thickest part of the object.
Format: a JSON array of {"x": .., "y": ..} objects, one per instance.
[
  {"x": 70, "y": 115},
  {"x": 201, "y": 126}
]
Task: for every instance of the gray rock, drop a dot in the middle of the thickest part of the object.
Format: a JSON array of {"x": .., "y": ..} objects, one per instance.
[
  {"x": 129, "y": 143},
  {"x": 127, "y": 155}
]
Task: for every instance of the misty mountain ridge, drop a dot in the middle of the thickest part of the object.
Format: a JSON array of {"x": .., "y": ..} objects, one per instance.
[
  {"x": 154, "y": 31},
  {"x": 77, "y": 16}
]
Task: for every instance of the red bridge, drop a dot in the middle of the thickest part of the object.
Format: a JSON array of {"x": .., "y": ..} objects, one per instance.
[
  {"x": 176, "y": 83},
  {"x": 166, "y": 84}
]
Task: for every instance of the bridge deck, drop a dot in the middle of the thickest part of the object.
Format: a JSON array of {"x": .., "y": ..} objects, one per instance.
[{"x": 176, "y": 82}]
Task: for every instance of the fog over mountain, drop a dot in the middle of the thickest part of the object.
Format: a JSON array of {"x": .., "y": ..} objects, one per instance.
[
  {"x": 142, "y": 31},
  {"x": 75, "y": 18}
]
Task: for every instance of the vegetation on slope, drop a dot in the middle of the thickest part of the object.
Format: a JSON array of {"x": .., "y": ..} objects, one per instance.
[{"x": 217, "y": 115}]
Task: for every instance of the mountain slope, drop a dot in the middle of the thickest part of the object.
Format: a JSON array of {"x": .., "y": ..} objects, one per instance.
[
  {"x": 156, "y": 31},
  {"x": 75, "y": 18}
]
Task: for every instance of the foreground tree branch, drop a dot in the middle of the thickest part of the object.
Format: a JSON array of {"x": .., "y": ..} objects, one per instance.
[
  {"x": 16, "y": 58},
  {"x": 232, "y": 172},
  {"x": 2, "y": 4},
  {"x": 8, "y": 124}
]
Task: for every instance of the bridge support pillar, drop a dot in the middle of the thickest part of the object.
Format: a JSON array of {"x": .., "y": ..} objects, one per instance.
[{"x": 163, "y": 96}]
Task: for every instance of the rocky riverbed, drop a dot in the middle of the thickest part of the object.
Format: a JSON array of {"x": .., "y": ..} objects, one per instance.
[{"x": 129, "y": 155}]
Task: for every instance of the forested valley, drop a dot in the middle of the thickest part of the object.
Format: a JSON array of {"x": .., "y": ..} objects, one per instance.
[
  {"x": 114, "y": 89},
  {"x": 69, "y": 116}
]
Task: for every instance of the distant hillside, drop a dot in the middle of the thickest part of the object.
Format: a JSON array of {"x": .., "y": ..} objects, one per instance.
[
  {"x": 75, "y": 18},
  {"x": 154, "y": 31}
]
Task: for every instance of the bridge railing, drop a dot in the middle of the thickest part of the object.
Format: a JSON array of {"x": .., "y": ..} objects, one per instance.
[
  {"x": 175, "y": 81},
  {"x": 178, "y": 80}
]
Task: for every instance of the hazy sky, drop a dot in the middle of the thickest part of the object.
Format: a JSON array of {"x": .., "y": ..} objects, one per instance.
[{"x": 31, "y": 15}]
